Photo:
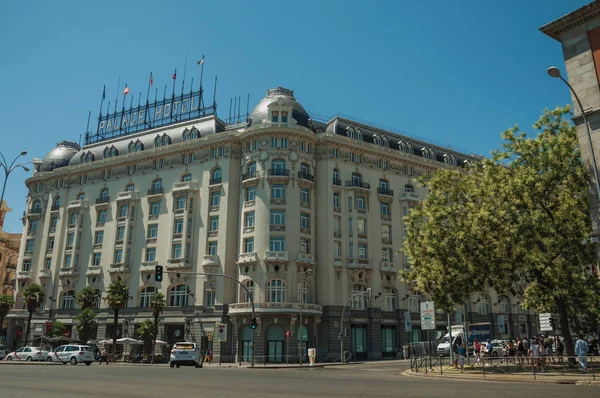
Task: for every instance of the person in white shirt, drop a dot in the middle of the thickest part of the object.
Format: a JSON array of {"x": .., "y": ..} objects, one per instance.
[{"x": 581, "y": 349}]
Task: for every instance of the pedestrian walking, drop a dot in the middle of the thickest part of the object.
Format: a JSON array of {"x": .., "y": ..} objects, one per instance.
[
  {"x": 560, "y": 348},
  {"x": 477, "y": 348},
  {"x": 461, "y": 357},
  {"x": 526, "y": 349},
  {"x": 581, "y": 349},
  {"x": 534, "y": 354},
  {"x": 520, "y": 351},
  {"x": 104, "y": 356}
]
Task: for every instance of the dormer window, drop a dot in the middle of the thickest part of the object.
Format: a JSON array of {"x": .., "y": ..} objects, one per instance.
[
  {"x": 275, "y": 116},
  {"x": 284, "y": 116}
]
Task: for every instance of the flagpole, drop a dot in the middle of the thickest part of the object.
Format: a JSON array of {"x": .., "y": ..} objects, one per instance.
[
  {"x": 201, "y": 105},
  {"x": 87, "y": 128},
  {"x": 174, "y": 81},
  {"x": 147, "y": 99},
  {"x": 100, "y": 113},
  {"x": 214, "y": 98},
  {"x": 184, "y": 71},
  {"x": 117, "y": 95}
]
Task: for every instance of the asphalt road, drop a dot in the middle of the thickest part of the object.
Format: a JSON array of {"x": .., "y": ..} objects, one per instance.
[{"x": 357, "y": 381}]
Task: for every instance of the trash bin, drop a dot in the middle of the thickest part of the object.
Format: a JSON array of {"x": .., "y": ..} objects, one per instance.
[{"x": 312, "y": 354}]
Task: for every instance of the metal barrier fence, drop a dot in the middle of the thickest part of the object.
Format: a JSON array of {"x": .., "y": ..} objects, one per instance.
[{"x": 485, "y": 365}]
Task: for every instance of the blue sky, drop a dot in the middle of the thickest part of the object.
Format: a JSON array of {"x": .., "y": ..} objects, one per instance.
[{"x": 456, "y": 72}]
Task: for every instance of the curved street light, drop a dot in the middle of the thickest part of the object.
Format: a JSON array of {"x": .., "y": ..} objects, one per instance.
[
  {"x": 554, "y": 72},
  {"x": 9, "y": 169}
]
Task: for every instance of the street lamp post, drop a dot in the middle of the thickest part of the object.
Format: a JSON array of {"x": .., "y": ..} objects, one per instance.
[
  {"x": 300, "y": 345},
  {"x": 341, "y": 336},
  {"x": 554, "y": 72},
  {"x": 9, "y": 169}
]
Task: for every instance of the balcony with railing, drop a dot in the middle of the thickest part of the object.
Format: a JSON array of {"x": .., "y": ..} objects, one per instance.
[
  {"x": 102, "y": 199},
  {"x": 94, "y": 270},
  {"x": 44, "y": 273},
  {"x": 119, "y": 268},
  {"x": 71, "y": 272},
  {"x": 353, "y": 262},
  {"x": 337, "y": 181},
  {"x": 357, "y": 184},
  {"x": 385, "y": 191},
  {"x": 34, "y": 212},
  {"x": 276, "y": 256},
  {"x": 127, "y": 195},
  {"x": 306, "y": 258},
  {"x": 215, "y": 181},
  {"x": 410, "y": 196},
  {"x": 55, "y": 208},
  {"x": 179, "y": 264},
  {"x": 80, "y": 203},
  {"x": 283, "y": 307},
  {"x": 249, "y": 175},
  {"x": 156, "y": 191},
  {"x": 244, "y": 258},
  {"x": 387, "y": 266},
  {"x": 184, "y": 186},
  {"x": 279, "y": 173},
  {"x": 304, "y": 175},
  {"x": 24, "y": 275}
]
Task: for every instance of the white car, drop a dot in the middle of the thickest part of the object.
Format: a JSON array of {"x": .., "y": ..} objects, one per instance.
[
  {"x": 186, "y": 354},
  {"x": 2, "y": 352},
  {"x": 72, "y": 354},
  {"x": 27, "y": 354}
]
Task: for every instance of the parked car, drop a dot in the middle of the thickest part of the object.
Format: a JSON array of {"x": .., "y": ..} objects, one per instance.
[
  {"x": 71, "y": 353},
  {"x": 186, "y": 354},
  {"x": 27, "y": 354},
  {"x": 498, "y": 348},
  {"x": 2, "y": 352}
]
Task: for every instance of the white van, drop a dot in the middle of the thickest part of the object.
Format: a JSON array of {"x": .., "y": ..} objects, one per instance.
[{"x": 444, "y": 346}]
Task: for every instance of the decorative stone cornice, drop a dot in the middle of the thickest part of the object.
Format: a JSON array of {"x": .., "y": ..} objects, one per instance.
[{"x": 567, "y": 23}]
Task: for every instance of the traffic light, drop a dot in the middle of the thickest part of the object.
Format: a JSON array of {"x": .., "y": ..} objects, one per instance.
[
  {"x": 287, "y": 333},
  {"x": 158, "y": 273},
  {"x": 253, "y": 324},
  {"x": 346, "y": 332}
]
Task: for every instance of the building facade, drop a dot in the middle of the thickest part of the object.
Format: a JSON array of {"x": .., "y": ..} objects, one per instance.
[{"x": 302, "y": 213}]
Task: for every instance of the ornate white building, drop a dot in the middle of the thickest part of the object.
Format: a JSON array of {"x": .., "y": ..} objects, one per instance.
[{"x": 299, "y": 211}]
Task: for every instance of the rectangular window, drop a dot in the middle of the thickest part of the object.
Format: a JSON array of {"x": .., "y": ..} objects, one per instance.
[
  {"x": 305, "y": 220},
  {"x": 27, "y": 265},
  {"x": 209, "y": 301},
  {"x": 33, "y": 224},
  {"x": 48, "y": 264},
  {"x": 337, "y": 224},
  {"x": 152, "y": 231},
  {"x": 250, "y": 194},
  {"x": 386, "y": 255},
  {"x": 301, "y": 146},
  {"x": 97, "y": 259},
  {"x": 338, "y": 249},
  {"x": 70, "y": 238},
  {"x": 350, "y": 225},
  {"x": 249, "y": 245},
  {"x": 273, "y": 142},
  {"x": 213, "y": 152},
  {"x": 121, "y": 233},
  {"x": 51, "y": 243},
  {"x": 53, "y": 223},
  {"x": 336, "y": 199},
  {"x": 334, "y": 153},
  {"x": 249, "y": 219},
  {"x": 29, "y": 245},
  {"x": 215, "y": 198},
  {"x": 99, "y": 238},
  {"x": 384, "y": 208},
  {"x": 351, "y": 250},
  {"x": 275, "y": 116},
  {"x": 361, "y": 225},
  {"x": 221, "y": 151},
  {"x": 178, "y": 226},
  {"x": 214, "y": 223},
  {"x": 212, "y": 248},
  {"x": 277, "y": 217},
  {"x": 131, "y": 170},
  {"x": 362, "y": 250},
  {"x": 360, "y": 202},
  {"x": 386, "y": 231},
  {"x": 68, "y": 259},
  {"x": 305, "y": 195},
  {"x": 284, "y": 141},
  {"x": 255, "y": 145},
  {"x": 277, "y": 191},
  {"x": 154, "y": 208},
  {"x": 350, "y": 202},
  {"x": 411, "y": 170},
  {"x": 277, "y": 244},
  {"x": 176, "y": 250},
  {"x": 151, "y": 254},
  {"x": 118, "y": 256},
  {"x": 305, "y": 246},
  {"x": 101, "y": 216},
  {"x": 284, "y": 118}
]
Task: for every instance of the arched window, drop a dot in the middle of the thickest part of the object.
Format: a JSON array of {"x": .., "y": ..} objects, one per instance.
[
  {"x": 178, "y": 296},
  {"x": 166, "y": 140},
  {"x": 37, "y": 206},
  {"x": 80, "y": 196},
  {"x": 276, "y": 291},
  {"x": 358, "y": 302},
  {"x": 384, "y": 185},
  {"x": 195, "y": 133},
  {"x": 503, "y": 305},
  {"x": 87, "y": 157},
  {"x": 409, "y": 188},
  {"x": 67, "y": 302},
  {"x": 110, "y": 152},
  {"x": 388, "y": 299},
  {"x": 409, "y": 148},
  {"x": 402, "y": 146},
  {"x": 74, "y": 217},
  {"x": 380, "y": 140},
  {"x": 304, "y": 293},
  {"x": 336, "y": 177},
  {"x": 251, "y": 169},
  {"x": 146, "y": 296},
  {"x": 56, "y": 202},
  {"x": 131, "y": 147},
  {"x": 123, "y": 210},
  {"x": 180, "y": 202},
  {"x": 359, "y": 135},
  {"x": 483, "y": 306},
  {"x": 245, "y": 297},
  {"x": 350, "y": 132},
  {"x": 216, "y": 176},
  {"x": 157, "y": 186},
  {"x": 186, "y": 135},
  {"x": 278, "y": 167},
  {"x": 139, "y": 146},
  {"x": 356, "y": 179},
  {"x": 186, "y": 177},
  {"x": 157, "y": 141},
  {"x": 104, "y": 194},
  {"x": 130, "y": 187},
  {"x": 304, "y": 169}
]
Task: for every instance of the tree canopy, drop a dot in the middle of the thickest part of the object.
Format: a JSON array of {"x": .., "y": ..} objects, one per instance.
[
  {"x": 518, "y": 223},
  {"x": 117, "y": 295}
]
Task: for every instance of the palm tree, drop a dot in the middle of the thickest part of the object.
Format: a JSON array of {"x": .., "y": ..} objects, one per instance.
[
  {"x": 87, "y": 297},
  {"x": 117, "y": 297},
  {"x": 34, "y": 297},
  {"x": 146, "y": 333},
  {"x": 157, "y": 303},
  {"x": 6, "y": 303},
  {"x": 86, "y": 325}
]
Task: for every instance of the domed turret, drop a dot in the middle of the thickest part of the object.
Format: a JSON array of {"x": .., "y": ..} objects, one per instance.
[
  {"x": 59, "y": 156},
  {"x": 279, "y": 98}
]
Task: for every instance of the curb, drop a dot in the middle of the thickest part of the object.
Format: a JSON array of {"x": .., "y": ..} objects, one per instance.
[{"x": 410, "y": 373}]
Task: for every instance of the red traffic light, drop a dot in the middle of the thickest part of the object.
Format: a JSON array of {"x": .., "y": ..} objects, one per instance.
[{"x": 287, "y": 333}]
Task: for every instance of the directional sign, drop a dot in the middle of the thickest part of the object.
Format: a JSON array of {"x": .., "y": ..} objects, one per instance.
[
  {"x": 220, "y": 333},
  {"x": 427, "y": 316},
  {"x": 545, "y": 325}
]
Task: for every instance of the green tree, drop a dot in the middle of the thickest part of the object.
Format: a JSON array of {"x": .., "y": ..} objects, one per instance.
[
  {"x": 86, "y": 325},
  {"x": 6, "y": 303},
  {"x": 117, "y": 298},
  {"x": 157, "y": 303},
  {"x": 33, "y": 296},
  {"x": 87, "y": 297},
  {"x": 57, "y": 329},
  {"x": 146, "y": 333},
  {"x": 518, "y": 223}
]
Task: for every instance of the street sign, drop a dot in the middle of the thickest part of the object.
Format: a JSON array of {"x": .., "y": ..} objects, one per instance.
[
  {"x": 427, "y": 315},
  {"x": 407, "y": 321},
  {"x": 220, "y": 333},
  {"x": 501, "y": 324},
  {"x": 545, "y": 325}
]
